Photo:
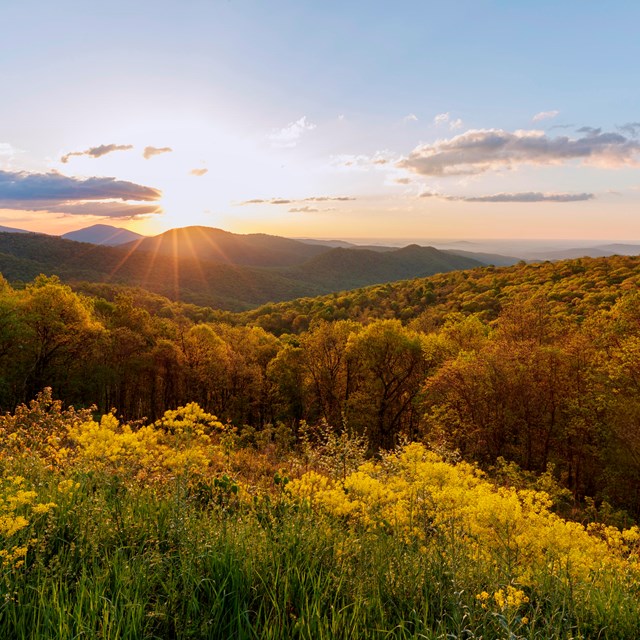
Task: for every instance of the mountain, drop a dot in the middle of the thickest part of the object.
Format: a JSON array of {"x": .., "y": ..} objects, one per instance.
[
  {"x": 328, "y": 243},
  {"x": 210, "y": 283},
  {"x": 12, "y": 230},
  {"x": 599, "y": 251},
  {"x": 224, "y": 247},
  {"x": 103, "y": 234},
  {"x": 351, "y": 268},
  {"x": 577, "y": 287},
  {"x": 496, "y": 259},
  {"x": 24, "y": 256}
]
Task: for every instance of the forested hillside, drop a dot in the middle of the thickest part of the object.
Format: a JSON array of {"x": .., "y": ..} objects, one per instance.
[
  {"x": 215, "y": 268},
  {"x": 535, "y": 364}
]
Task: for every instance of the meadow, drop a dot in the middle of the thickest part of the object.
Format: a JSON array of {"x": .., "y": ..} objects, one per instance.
[{"x": 186, "y": 528}]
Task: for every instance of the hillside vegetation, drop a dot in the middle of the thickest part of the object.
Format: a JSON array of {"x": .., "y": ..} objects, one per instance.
[
  {"x": 454, "y": 456},
  {"x": 536, "y": 365},
  {"x": 215, "y": 268},
  {"x": 176, "y": 529}
]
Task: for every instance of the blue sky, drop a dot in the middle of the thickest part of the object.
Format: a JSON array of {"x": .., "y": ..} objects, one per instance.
[{"x": 332, "y": 119}]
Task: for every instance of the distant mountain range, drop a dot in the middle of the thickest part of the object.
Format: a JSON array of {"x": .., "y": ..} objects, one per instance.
[
  {"x": 103, "y": 234},
  {"x": 231, "y": 271},
  {"x": 263, "y": 250},
  {"x": 221, "y": 269}
]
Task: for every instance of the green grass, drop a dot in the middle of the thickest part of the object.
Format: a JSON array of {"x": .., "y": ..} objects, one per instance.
[{"x": 112, "y": 562}]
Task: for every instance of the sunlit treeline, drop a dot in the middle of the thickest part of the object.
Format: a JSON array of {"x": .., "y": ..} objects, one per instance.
[{"x": 538, "y": 385}]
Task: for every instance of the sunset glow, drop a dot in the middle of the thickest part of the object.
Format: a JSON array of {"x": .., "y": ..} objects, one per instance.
[{"x": 382, "y": 124}]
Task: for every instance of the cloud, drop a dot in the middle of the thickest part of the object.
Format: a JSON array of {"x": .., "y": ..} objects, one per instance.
[
  {"x": 6, "y": 149},
  {"x": 378, "y": 159},
  {"x": 58, "y": 193},
  {"x": 149, "y": 152},
  {"x": 592, "y": 131},
  {"x": 303, "y": 210},
  {"x": 21, "y": 185},
  {"x": 198, "y": 172},
  {"x": 402, "y": 180},
  {"x": 97, "y": 152},
  {"x": 328, "y": 198},
  {"x": 102, "y": 209},
  {"x": 632, "y": 129},
  {"x": 297, "y": 201},
  {"x": 411, "y": 117},
  {"x": 527, "y": 196},
  {"x": 289, "y": 136},
  {"x": 445, "y": 118},
  {"x": 481, "y": 150},
  {"x": 545, "y": 115}
]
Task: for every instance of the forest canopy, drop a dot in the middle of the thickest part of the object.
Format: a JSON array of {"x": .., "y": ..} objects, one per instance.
[{"x": 536, "y": 365}]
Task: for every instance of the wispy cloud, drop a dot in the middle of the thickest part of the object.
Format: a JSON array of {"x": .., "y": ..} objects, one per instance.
[
  {"x": 149, "y": 152},
  {"x": 482, "y": 150},
  {"x": 445, "y": 119},
  {"x": 631, "y": 129},
  {"x": 290, "y": 135},
  {"x": 305, "y": 210},
  {"x": 379, "y": 159},
  {"x": 545, "y": 115},
  {"x": 6, "y": 149},
  {"x": 97, "y": 152},
  {"x": 198, "y": 172},
  {"x": 527, "y": 196},
  {"x": 297, "y": 201},
  {"x": 592, "y": 131},
  {"x": 58, "y": 193},
  {"x": 411, "y": 117},
  {"x": 103, "y": 209}
]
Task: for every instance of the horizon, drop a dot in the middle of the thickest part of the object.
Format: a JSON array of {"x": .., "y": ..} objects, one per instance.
[
  {"x": 421, "y": 127},
  {"x": 479, "y": 244}
]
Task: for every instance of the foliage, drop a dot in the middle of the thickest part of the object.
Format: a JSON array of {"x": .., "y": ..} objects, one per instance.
[{"x": 409, "y": 546}]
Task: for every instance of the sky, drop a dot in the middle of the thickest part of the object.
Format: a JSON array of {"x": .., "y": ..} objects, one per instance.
[{"x": 332, "y": 119}]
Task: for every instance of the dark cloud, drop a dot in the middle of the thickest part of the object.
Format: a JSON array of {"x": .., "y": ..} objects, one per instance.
[
  {"x": 631, "y": 129},
  {"x": 100, "y": 209},
  {"x": 149, "y": 152},
  {"x": 57, "y": 193},
  {"x": 527, "y": 196},
  {"x": 561, "y": 126},
  {"x": 298, "y": 201},
  {"x": 478, "y": 151},
  {"x": 21, "y": 185},
  {"x": 97, "y": 152},
  {"x": 198, "y": 172}
]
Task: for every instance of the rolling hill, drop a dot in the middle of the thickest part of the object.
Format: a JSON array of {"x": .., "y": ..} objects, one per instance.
[
  {"x": 224, "y": 247},
  {"x": 208, "y": 282}
]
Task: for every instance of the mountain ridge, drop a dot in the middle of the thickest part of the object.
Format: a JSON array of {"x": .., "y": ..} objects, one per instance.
[{"x": 208, "y": 283}]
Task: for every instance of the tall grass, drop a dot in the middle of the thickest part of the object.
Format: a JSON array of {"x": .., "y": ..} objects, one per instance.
[{"x": 138, "y": 563}]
